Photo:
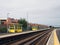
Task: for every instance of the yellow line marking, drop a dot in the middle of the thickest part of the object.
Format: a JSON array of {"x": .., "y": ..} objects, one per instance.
[{"x": 56, "y": 42}]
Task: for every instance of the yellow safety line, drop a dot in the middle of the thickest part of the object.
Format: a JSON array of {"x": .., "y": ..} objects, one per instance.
[{"x": 56, "y": 42}]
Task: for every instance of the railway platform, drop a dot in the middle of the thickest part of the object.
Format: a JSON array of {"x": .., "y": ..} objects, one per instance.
[{"x": 53, "y": 40}]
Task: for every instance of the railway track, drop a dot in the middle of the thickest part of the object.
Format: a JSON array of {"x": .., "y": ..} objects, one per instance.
[{"x": 35, "y": 38}]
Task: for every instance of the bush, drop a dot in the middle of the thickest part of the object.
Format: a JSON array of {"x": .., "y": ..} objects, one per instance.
[{"x": 3, "y": 30}]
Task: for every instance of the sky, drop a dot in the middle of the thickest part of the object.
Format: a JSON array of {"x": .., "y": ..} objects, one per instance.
[{"x": 35, "y": 11}]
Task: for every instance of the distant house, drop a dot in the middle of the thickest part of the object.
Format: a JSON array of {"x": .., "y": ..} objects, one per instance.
[
  {"x": 11, "y": 20},
  {"x": 2, "y": 21},
  {"x": 8, "y": 21},
  {"x": 41, "y": 26}
]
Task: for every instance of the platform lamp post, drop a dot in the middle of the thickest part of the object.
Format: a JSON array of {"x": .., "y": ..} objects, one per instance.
[
  {"x": 27, "y": 20},
  {"x": 21, "y": 26},
  {"x": 7, "y": 21},
  {"x": 0, "y": 21}
]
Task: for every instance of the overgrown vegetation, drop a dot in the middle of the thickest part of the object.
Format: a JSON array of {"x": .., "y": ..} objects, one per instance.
[
  {"x": 51, "y": 27},
  {"x": 23, "y": 23},
  {"x": 3, "y": 30}
]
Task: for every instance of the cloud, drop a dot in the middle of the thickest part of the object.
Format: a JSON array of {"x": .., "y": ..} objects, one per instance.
[{"x": 39, "y": 11}]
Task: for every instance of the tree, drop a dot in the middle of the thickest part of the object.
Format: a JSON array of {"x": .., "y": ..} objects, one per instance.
[
  {"x": 51, "y": 27},
  {"x": 23, "y": 23}
]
